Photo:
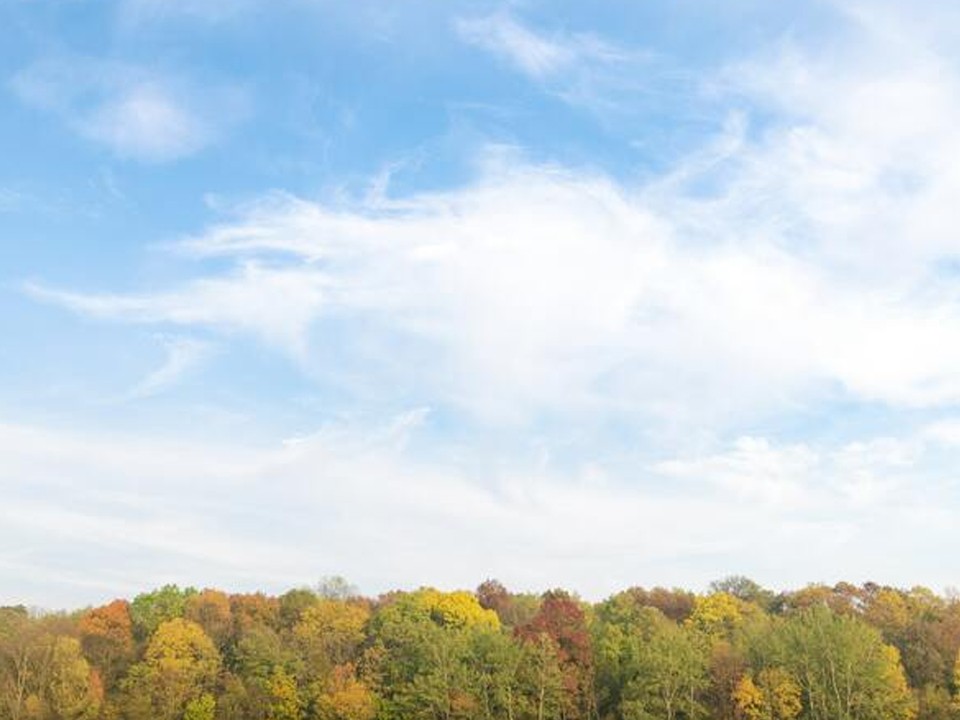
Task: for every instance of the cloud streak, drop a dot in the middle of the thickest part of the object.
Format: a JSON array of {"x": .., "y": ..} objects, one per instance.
[
  {"x": 581, "y": 69},
  {"x": 533, "y": 54},
  {"x": 274, "y": 304},
  {"x": 183, "y": 355}
]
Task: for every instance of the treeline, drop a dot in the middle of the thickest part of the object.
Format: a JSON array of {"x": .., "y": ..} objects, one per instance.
[{"x": 738, "y": 652}]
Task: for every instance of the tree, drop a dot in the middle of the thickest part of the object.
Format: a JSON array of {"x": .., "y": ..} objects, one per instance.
[
  {"x": 825, "y": 653},
  {"x": 149, "y": 610},
  {"x": 492, "y": 595},
  {"x": 775, "y": 695},
  {"x": 259, "y": 651},
  {"x": 421, "y": 654},
  {"x": 252, "y": 610},
  {"x": 284, "y": 697},
  {"x": 562, "y": 619},
  {"x": 106, "y": 634},
  {"x": 726, "y": 667},
  {"x": 22, "y": 661},
  {"x": 180, "y": 664},
  {"x": 674, "y": 604},
  {"x": 744, "y": 589},
  {"x": 345, "y": 697},
  {"x": 73, "y": 690},
  {"x": 495, "y": 660},
  {"x": 330, "y": 633},
  {"x": 293, "y": 604},
  {"x": 211, "y": 610},
  {"x": 716, "y": 615},
  {"x": 335, "y": 587},
  {"x": 666, "y": 674},
  {"x": 42, "y": 674},
  {"x": 542, "y": 679},
  {"x": 842, "y": 599},
  {"x": 201, "y": 708},
  {"x": 845, "y": 669}
]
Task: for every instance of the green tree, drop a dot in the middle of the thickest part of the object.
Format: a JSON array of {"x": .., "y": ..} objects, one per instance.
[
  {"x": 421, "y": 655},
  {"x": 744, "y": 589},
  {"x": 201, "y": 708},
  {"x": 542, "y": 680},
  {"x": 149, "y": 610},
  {"x": 845, "y": 669},
  {"x": 666, "y": 675}
]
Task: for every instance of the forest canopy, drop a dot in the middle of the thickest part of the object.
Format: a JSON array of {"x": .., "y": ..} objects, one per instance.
[{"x": 736, "y": 652}]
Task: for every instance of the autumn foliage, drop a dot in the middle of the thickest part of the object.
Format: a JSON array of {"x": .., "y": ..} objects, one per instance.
[{"x": 737, "y": 652}]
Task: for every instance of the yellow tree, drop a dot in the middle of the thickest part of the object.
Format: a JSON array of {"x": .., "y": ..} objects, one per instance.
[
  {"x": 774, "y": 696},
  {"x": 284, "y": 696},
  {"x": 180, "y": 664},
  {"x": 330, "y": 633},
  {"x": 956, "y": 682},
  {"x": 716, "y": 615},
  {"x": 345, "y": 697},
  {"x": 73, "y": 688}
]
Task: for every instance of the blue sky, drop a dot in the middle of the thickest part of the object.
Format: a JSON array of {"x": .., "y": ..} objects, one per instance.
[{"x": 560, "y": 293}]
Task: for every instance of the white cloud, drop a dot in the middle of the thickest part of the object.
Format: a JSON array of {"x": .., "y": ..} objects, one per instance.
[
  {"x": 542, "y": 289},
  {"x": 275, "y": 304},
  {"x": 146, "y": 123},
  {"x": 534, "y": 54},
  {"x": 618, "y": 85},
  {"x": 182, "y": 356},
  {"x": 801, "y": 479},
  {"x": 754, "y": 470},
  {"x": 356, "y": 501},
  {"x": 137, "y": 113}
]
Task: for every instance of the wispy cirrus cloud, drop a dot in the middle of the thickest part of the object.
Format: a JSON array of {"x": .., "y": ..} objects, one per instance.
[
  {"x": 136, "y": 112},
  {"x": 537, "y": 55},
  {"x": 183, "y": 355},
  {"x": 275, "y": 304},
  {"x": 582, "y": 69}
]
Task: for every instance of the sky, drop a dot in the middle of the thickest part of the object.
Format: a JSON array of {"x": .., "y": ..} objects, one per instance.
[{"x": 571, "y": 294}]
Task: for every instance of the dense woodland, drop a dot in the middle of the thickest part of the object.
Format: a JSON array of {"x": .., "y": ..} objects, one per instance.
[{"x": 736, "y": 652}]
